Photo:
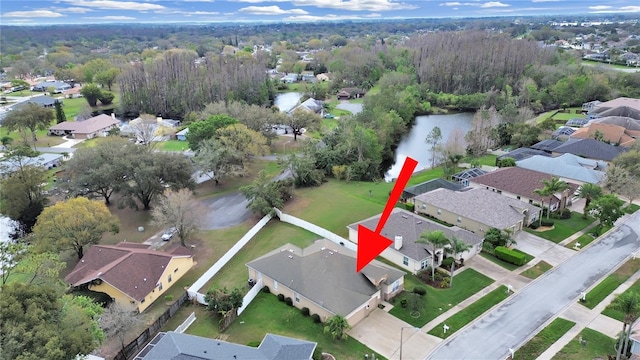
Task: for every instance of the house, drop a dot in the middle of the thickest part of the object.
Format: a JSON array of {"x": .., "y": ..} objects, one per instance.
[
  {"x": 133, "y": 275},
  {"x": 322, "y": 77},
  {"x": 563, "y": 132},
  {"x": 149, "y": 130},
  {"x": 350, "y": 93},
  {"x": 310, "y": 105},
  {"x": 576, "y": 122},
  {"x": 477, "y": 210},
  {"x": 409, "y": 193},
  {"x": 463, "y": 176},
  {"x": 289, "y": 78},
  {"x": 86, "y": 129},
  {"x": 521, "y": 153},
  {"x": 405, "y": 228},
  {"x": 45, "y": 161},
  {"x": 520, "y": 184},
  {"x": 621, "y": 106},
  {"x": 182, "y": 134},
  {"x": 611, "y": 133},
  {"x": 590, "y": 149},
  {"x": 57, "y": 86},
  {"x": 173, "y": 345},
  {"x": 568, "y": 166},
  {"x": 588, "y": 106},
  {"x": 73, "y": 93},
  {"x": 322, "y": 278},
  {"x": 546, "y": 145},
  {"x": 43, "y": 101}
]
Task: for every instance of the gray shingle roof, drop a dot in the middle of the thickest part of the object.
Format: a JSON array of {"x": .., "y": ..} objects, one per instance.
[
  {"x": 410, "y": 226},
  {"x": 323, "y": 273},
  {"x": 428, "y": 186},
  {"x": 591, "y": 148},
  {"x": 177, "y": 346},
  {"x": 566, "y": 166},
  {"x": 547, "y": 145},
  {"x": 481, "y": 205}
]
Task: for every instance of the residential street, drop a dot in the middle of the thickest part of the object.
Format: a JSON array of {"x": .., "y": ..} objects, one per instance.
[{"x": 511, "y": 324}]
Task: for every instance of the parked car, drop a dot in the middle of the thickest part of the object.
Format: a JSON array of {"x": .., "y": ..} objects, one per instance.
[
  {"x": 168, "y": 234},
  {"x": 329, "y": 116}
]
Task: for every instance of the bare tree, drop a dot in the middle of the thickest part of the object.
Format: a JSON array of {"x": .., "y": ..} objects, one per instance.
[
  {"x": 181, "y": 210},
  {"x": 117, "y": 320},
  {"x": 480, "y": 137},
  {"x": 144, "y": 129}
]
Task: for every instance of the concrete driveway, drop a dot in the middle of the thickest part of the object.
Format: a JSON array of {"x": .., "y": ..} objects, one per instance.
[
  {"x": 543, "y": 249},
  {"x": 353, "y": 108},
  {"x": 526, "y": 312},
  {"x": 380, "y": 331}
]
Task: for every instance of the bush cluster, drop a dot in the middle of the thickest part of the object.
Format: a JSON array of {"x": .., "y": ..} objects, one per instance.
[
  {"x": 280, "y": 297},
  {"x": 316, "y": 318},
  {"x": 288, "y": 301},
  {"x": 253, "y": 343},
  {"x": 403, "y": 303},
  {"x": 420, "y": 290},
  {"x": 305, "y": 311},
  {"x": 409, "y": 206},
  {"x": 534, "y": 225},
  {"x": 265, "y": 289},
  {"x": 510, "y": 256},
  {"x": 547, "y": 222},
  {"x": 446, "y": 263}
]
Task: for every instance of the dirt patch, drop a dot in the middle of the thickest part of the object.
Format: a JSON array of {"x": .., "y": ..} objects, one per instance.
[{"x": 543, "y": 228}]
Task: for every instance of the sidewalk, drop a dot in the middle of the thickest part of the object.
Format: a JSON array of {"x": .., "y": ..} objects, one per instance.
[{"x": 591, "y": 318}]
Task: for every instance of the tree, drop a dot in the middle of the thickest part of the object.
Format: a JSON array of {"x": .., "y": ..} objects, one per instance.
[
  {"x": 264, "y": 194},
  {"x": 304, "y": 171},
  {"x": 214, "y": 158},
  {"x": 437, "y": 239},
  {"x": 623, "y": 182},
  {"x": 607, "y": 208},
  {"x": 117, "y": 320},
  {"x": 242, "y": 141},
  {"x": 206, "y": 129},
  {"x": 337, "y": 327},
  {"x": 60, "y": 115},
  {"x": 30, "y": 117},
  {"x": 38, "y": 322},
  {"x": 72, "y": 224},
  {"x": 507, "y": 162},
  {"x": 629, "y": 304},
  {"x": 588, "y": 192},
  {"x": 551, "y": 187},
  {"x": 92, "y": 93},
  {"x": 181, "y": 210},
  {"x": 42, "y": 267},
  {"x": 10, "y": 253},
  {"x": 106, "y": 77},
  {"x": 221, "y": 301},
  {"x": 457, "y": 246},
  {"x": 497, "y": 237},
  {"x": 542, "y": 192},
  {"x": 302, "y": 119},
  {"x": 433, "y": 140},
  {"x": 480, "y": 137}
]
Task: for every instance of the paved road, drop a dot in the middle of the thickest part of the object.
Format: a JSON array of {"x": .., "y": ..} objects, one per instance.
[
  {"x": 354, "y": 108},
  {"x": 511, "y": 324}
]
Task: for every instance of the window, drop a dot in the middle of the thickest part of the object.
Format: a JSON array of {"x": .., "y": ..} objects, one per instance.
[
  {"x": 405, "y": 260},
  {"x": 395, "y": 286},
  {"x": 296, "y": 296},
  {"x": 142, "y": 301},
  {"x": 169, "y": 278},
  {"x": 275, "y": 285},
  {"x": 424, "y": 264},
  {"x": 499, "y": 191},
  {"x": 159, "y": 286},
  {"x": 176, "y": 270}
]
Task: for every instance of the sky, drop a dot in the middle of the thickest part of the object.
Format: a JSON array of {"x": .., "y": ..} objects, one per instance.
[{"x": 33, "y": 12}]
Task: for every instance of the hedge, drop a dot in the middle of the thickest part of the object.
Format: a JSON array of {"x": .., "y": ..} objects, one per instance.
[
  {"x": 510, "y": 256},
  {"x": 547, "y": 222}
]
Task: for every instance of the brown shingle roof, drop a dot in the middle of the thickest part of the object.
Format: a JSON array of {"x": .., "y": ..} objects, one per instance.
[
  {"x": 133, "y": 271},
  {"x": 610, "y": 132},
  {"x": 620, "y": 102},
  {"x": 518, "y": 181},
  {"x": 88, "y": 126}
]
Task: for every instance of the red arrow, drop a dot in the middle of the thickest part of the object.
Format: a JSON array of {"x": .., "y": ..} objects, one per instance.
[{"x": 371, "y": 243}]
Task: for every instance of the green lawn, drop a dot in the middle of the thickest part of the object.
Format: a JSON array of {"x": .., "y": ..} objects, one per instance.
[
  {"x": 545, "y": 338},
  {"x": 630, "y": 209},
  {"x": 538, "y": 269},
  {"x": 563, "y": 228},
  {"x": 597, "y": 346},
  {"x": 329, "y": 124},
  {"x": 610, "y": 283},
  {"x": 43, "y": 138},
  {"x": 470, "y": 313},
  {"x": 507, "y": 265},
  {"x": 172, "y": 145},
  {"x": 584, "y": 240},
  {"x": 616, "y": 314},
  {"x": 488, "y": 160},
  {"x": 567, "y": 116},
  {"x": 267, "y": 315},
  {"x": 438, "y": 301}
]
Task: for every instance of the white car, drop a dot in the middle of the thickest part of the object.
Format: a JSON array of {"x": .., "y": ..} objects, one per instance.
[{"x": 168, "y": 234}]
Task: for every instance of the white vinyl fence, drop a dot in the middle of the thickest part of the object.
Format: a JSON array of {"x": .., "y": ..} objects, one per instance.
[{"x": 316, "y": 230}]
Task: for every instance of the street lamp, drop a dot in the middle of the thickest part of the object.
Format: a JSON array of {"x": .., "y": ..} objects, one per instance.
[{"x": 401, "y": 330}]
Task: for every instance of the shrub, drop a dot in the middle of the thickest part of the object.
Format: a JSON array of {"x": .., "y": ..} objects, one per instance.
[
  {"x": 547, "y": 222},
  {"x": 305, "y": 311},
  {"x": 288, "y": 301},
  {"x": 510, "y": 256},
  {"x": 446, "y": 263},
  {"x": 565, "y": 214},
  {"x": 403, "y": 303},
  {"x": 420, "y": 290},
  {"x": 410, "y": 206},
  {"x": 316, "y": 318},
  {"x": 168, "y": 297},
  {"x": 445, "y": 282},
  {"x": 106, "y": 97},
  {"x": 280, "y": 297},
  {"x": 534, "y": 225},
  {"x": 265, "y": 289},
  {"x": 253, "y": 343}
]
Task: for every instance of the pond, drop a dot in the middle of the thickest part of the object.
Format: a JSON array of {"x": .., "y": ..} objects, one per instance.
[
  {"x": 414, "y": 145},
  {"x": 286, "y": 101},
  {"x": 6, "y": 228}
]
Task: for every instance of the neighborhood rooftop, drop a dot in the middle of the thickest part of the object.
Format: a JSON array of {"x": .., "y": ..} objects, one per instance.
[
  {"x": 566, "y": 166},
  {"x": 590, "y": 148},
  {"x": 325, "y": 274},
  {"x": 481, "y": 205},
  {"x": 90, "y": 125},
  {"x": 428, "y": 186}
]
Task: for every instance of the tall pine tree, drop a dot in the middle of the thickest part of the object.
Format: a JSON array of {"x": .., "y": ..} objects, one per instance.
[{"x": 60, "y": 116}]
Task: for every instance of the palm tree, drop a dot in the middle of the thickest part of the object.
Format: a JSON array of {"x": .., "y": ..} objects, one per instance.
[
  {"x": 629, "y": 304},
  {"x": 457, "y": 247},
  {"x": 336, "y": 326},
  {"x": 543, "y": 192},
  {"x": 437, "y": 239},
  {"x": 553, "y": 186},
  {"x": 588, "y": 192}
]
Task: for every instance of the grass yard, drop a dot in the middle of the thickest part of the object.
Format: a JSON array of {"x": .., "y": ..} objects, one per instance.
[
  {"x": 583, "y": 240},
  {"x": 172, "y": 145},
  {"x": 563, "y": 228},
  {"x": 329, "y": 124},
  {"x": 538, "y": 269},
  {"x": 438, "y": 301},
  {"x": 597, "y": 346},
  {"x": 267, "y": 315},
  {"x": 488, "y": 160},
  {"x": 285, "y": 145},
  {"x": 616, "y": 314},
  {"x": 545, "y": 338},
  {"x": 507, "y": 265},
  {"x": 43, "y": 138},
  {"x": 630, "y": 209},
  {"x": 610, "y": 283},
  {"x": 470, "y": 313},
  {"x": 227, "y": 185},
  {"x": 568, "y": 116}
]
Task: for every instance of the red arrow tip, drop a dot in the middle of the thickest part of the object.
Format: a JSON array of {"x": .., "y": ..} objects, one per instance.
[{"x": 370, "y": 245}]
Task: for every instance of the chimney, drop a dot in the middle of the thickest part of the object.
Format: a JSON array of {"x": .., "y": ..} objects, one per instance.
[
  {"x": 158, "y": 119},
  {"x": 397, "y": 243}
]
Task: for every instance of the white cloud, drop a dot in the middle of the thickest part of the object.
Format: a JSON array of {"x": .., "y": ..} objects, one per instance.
[
  {"x": 630, "y": 8},
  {"x": 116, "y": 5},
  {"x": 538, "y": 1},
  {"x": 32, "y": 14},
  {"x": 110, "y": 17},
  {"x": 328, "y": 17},
  {"x": 599, "y": 7},
  {"x": 201, "y": 13},
  {"x": 491, "y": 4},
  {"x": 271, "y": 10},
  {"x": 454, "y": 3},
  {"x": 74, "y": 10},
  {"x": 356, "y": 5}
]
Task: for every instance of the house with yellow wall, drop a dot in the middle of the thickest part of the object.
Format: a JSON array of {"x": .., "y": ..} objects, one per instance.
[{"x": 131, "y": 274}]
